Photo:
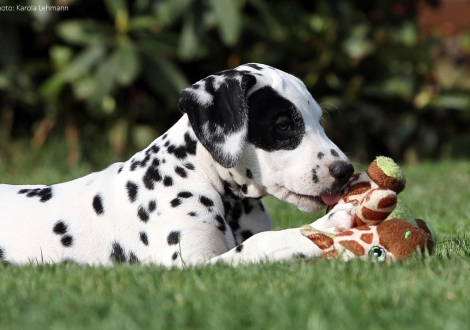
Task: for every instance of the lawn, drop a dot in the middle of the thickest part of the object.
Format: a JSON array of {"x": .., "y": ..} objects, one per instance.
[{"x": 433, "y": 293}]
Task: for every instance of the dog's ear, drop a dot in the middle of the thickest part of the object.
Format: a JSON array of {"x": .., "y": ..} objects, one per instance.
[{"x": 218, "y": 112}]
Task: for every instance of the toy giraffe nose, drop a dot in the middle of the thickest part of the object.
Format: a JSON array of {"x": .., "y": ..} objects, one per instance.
[{"x": 341, "y": 171}]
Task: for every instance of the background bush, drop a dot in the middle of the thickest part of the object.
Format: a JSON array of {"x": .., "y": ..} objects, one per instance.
[{"x": 107, "y": 74}]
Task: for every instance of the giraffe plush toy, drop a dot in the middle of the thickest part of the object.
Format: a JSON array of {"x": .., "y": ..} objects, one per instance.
[
  {"x": 391, "y": 240},
  {"x": 374, "y": 191},
  {"x": 383, "y": 228}
]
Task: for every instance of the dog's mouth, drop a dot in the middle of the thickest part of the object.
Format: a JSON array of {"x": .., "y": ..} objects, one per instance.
[{"x": 326, "y": 198}]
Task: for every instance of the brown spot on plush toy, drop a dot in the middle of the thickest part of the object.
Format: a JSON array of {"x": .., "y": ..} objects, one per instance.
[{"x": 391, "y": 240}]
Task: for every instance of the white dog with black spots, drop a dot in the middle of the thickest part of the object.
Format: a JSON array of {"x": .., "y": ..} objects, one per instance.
[{"x": 194, "y": 195}]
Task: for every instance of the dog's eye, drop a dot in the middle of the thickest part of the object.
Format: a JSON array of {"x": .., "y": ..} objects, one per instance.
[
  {"x": 321, "y": 121},
  {"x": 283, "y": 124}
]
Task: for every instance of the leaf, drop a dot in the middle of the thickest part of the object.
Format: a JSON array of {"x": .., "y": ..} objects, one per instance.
[
  {"x": 115, "y": 6},
  {"x": 83, "y": 32},
  {"x": 144, "y": 23},
  {"x": 104, "y": 77},
  {"x": 227, "y": 15},
  {"x": 171, "y": 10},
  {"x": 127, "y": 60},
  {"x": 77, "y": 68},
  {"x": 191, "y": 37},
  {"x": 452, "y": 101},
  {"x": 164, "y": 77},
  {"x": 82, "y": 62}
]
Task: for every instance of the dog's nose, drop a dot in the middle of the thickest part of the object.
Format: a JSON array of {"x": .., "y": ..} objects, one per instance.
[{"x": 341, "y": 171}]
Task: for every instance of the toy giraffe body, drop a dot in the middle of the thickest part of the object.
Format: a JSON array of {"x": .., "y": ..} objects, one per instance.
[{"x": 391, "y": 240}]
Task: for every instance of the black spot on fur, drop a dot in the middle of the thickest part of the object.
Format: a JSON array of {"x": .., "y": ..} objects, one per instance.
[
  {"x": 144, "y": 161},
  {"x": 143, "y": 214},
  {"x": 228, "y": 190},
  {"x": 236, "y": 212},
  {"x": 60, "y": 228},
  {"x": 45, "y": 194},
  {"x": 154, "y": 149},
  {"x": 189, "y": 166},
  {"x": 246, "y": 234},
  {"x": 185, "y": 194},
  {"x": 133, "y": 258},
  {"x": 254, "y": 66},
  {"x": 67, "y": 261},
  {"x": 32, "y": 192},
  {"x": 249, "y": 174},
  {"x": 67, "y": 240},
  {"x": 206, "y": 201},
  {"x": 220, "y": 223},
  {"x": 2, "y": 257},
  {"x": 120, "y": 169},
  {"x": 167, "y": 143},
  {"x": 164, "y": 136},
  {"x": 98, "y": 204},
  {"x": 168, "y": 181},
  {"x": 175, "y": 202},
  {"x": 117, "y": 254},
  {"x": 315, "y": 176},
  {"x": 334, "y": 153},
  {"x": 247, "y": 206},
  {"x": 144, "y": 238},
  {"x": 134, "y": 164},
  {"x": 151, "y": 176},
  {"x": 190, "y": 144},
  {"x": 227, "y": 207},
  {"x": 320, "y": 155},
  {"x": 192, "y": 214},
  {"x": 244, "y": 188},
  {"x": 239, "y": 248},
  {"x": 299, "y": 255},
  {"x": 132, "y": 189},
  {"x": 152, "y": 206},
  {"x": 173, "y": 238},
  {"x": 174, "y": 256},
  {"x": 181, "y": 172},
  {"x": 179, "y": 152}
]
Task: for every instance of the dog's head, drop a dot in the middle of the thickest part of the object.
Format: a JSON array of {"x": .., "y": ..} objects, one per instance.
[{"x": 264, "y": 125}]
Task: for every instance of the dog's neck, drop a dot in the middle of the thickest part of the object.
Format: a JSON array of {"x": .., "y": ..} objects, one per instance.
[{"x": 232, "y": 182}]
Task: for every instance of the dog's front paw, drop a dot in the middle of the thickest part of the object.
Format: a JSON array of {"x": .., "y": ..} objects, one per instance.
[{"x": 339, "y": 219}]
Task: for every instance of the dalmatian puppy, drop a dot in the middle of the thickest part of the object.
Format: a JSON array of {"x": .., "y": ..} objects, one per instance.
[{"x": 193, "y": 195}]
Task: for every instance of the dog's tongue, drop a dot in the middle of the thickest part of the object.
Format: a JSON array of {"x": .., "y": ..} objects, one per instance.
[{"x": 331, "y": 199}]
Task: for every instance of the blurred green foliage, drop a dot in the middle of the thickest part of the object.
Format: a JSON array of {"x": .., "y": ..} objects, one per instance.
[{"x": 108, "y": 73}]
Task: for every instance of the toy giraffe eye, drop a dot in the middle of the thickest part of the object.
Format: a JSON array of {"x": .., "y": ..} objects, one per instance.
[{"x": 377, "y": 254}]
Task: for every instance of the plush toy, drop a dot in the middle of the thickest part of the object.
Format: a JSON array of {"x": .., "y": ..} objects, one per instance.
[
  {"x": 391, "y": 240},
  {"x": 374, "y": 191}
]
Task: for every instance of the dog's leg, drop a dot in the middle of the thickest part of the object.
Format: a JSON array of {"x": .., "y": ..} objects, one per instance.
[{"x": 289, "y": 243}]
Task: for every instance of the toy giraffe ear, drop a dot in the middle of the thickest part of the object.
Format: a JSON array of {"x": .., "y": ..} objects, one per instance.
[{"x": 321, "y": 240}]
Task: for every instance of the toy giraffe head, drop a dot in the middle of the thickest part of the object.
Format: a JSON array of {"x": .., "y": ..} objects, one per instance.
[{"x": 389, "y": 241}]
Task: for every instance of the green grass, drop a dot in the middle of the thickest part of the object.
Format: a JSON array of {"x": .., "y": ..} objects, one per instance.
[{"x": 433, "y": 293}]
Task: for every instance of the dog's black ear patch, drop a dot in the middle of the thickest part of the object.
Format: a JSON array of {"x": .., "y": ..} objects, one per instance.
[{"x": 218, "y": 112}]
